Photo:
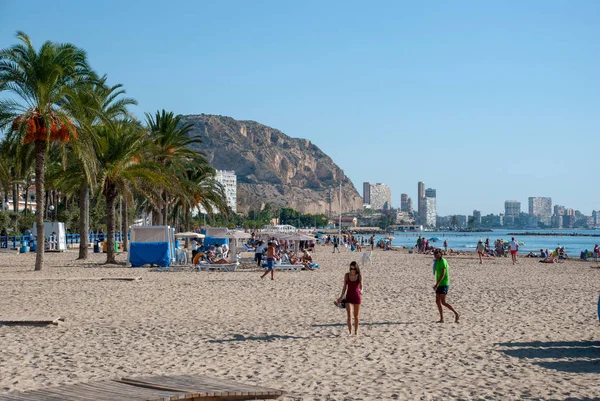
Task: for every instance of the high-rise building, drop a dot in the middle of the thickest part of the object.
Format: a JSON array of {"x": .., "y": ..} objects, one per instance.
[
  {"x": 421, "y": 202},
  {"x": 430, "y": 212},
  {"x": 228, "y": 180},
  {"x": 477, "y": 217},
  {"x": 512, "y": 208},
  {"x": 540, "y": 208},
  {"x": 367, "y": 193},
  {"x": 379, "y": 196},
  {"x": 421, "y": 189},
  {"x": 430, "y": 193},
  {"x": 559, "y": 210},
  {"x": 405, "y": 203}
]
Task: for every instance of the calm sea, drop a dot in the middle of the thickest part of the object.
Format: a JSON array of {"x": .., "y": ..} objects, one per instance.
[{"x": 467, "y": 241}]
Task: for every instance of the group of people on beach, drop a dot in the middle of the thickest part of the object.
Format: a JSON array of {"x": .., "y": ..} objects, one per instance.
[{"x": 281, "y": 255}]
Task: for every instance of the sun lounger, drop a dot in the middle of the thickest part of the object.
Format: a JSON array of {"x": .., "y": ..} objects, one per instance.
[{"x": 230, "y": 267}]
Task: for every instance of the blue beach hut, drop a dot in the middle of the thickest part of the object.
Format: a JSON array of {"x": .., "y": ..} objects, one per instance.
[{"x": 152, "y": 245}]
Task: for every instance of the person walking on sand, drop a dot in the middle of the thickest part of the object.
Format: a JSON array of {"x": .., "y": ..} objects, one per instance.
[
  {"x": 353, "y": 289},
  {"x": 336, "y": 244},
  {"x": 258, "y": 252},
  {"x": 514, "y": 249},
  {"x": 480, "y": 250},
  {"x": 442, "y": 284},
  {"x": 270, "y": 260},
  {"x": 446, "y": 245}
]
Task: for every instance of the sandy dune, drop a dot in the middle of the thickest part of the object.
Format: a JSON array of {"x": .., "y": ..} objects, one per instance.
[{"x": 527, "y": 331}]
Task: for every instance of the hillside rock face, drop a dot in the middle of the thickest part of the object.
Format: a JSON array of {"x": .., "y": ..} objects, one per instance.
[{"x": 273, "y": 168}]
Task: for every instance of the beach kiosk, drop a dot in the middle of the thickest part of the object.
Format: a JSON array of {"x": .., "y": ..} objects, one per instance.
[
  {"x": 151, "y": 245},
  {"x": 55, "y": 236}
]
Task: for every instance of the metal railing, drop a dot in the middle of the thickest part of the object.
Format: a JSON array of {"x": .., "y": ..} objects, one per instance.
[{"x": 72, "y": 239}]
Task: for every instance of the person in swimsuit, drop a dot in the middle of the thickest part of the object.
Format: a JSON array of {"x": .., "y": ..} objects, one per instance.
[
  {"x": 353, "y": 288},
  {"x": 442, "y": 283},
  {"x": 270, "y": 260},
  {"x": 514, "y": 249},
  {"x": 480, "y": 251}
]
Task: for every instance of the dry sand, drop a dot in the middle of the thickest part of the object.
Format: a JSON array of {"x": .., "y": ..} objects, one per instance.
[{"x": 527, "y": 331}]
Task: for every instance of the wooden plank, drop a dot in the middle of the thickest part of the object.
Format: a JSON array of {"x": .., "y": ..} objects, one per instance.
[
  {"x": 121, "y": 278},
  {"x": 30, "y": 321},
  {"x": 131, "y": 393},
  {"x": 206, "y": 385},
  {"x": 161, "y": 388}
]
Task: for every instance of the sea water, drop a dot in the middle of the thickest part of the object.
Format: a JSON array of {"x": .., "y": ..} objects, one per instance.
[{"x": 467, "y": 241}]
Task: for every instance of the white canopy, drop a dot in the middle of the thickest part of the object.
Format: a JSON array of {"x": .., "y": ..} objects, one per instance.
[
  {"x": 189, "y": 234},
  {"x": 238, "y": 235}
]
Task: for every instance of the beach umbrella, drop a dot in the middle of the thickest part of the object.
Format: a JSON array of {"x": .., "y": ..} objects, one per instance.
[{"x": 434, "y": 239}]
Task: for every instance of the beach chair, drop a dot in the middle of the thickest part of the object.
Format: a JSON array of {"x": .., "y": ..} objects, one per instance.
[{"x": 287, "y": 266}]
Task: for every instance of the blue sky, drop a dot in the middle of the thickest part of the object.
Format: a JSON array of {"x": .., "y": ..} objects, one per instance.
[{"x": 483, "y": 100}]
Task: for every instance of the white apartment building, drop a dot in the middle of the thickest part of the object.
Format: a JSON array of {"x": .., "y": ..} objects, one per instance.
[{"x": 228, "y": 179}]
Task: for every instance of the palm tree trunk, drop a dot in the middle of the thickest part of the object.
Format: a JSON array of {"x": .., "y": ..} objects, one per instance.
[
  {"x": 111, "y": 196},
  {"x": 26, "y": 197},
  {"x": 15, "y": 192},
  {"x": 40, "y": 160},
  {"x": 84, "y": 220},
  {"x": 125, "y": 225}
]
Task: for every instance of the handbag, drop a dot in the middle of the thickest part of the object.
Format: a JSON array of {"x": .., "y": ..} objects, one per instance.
[{"x": 341, "y": 304}]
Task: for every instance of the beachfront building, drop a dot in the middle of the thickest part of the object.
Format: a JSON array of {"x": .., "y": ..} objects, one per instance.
[
  {"x": 406, "y": 204},
  {"x": 430, "y": 212},
  {"x": 540, "y": 210},
  {"x": 228, "y": 180},
  {"x": 379, "y": 196},
  {"x": 427, "y": 205}
]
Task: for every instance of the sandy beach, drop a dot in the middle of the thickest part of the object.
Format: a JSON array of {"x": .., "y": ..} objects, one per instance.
[{"x": 527, "y": 331}]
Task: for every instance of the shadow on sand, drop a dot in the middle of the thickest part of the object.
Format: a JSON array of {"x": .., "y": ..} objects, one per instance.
[
  {"x": 361, "y": 323},
  {"x": 270, "y": 337},
  {"x": 569, "y": 356}
]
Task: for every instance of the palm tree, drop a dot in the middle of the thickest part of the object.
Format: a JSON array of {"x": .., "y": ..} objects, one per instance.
[
  {"x": 40, "y": 79},
  {"x": 90, "y": 105},
  {"x": 120, "y": 148},
  {"x": 171, "y": 148},
  {"x": 199, "y": 187}
]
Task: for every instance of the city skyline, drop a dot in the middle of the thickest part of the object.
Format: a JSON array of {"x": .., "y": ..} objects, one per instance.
[{"x": 501, "y": 209}]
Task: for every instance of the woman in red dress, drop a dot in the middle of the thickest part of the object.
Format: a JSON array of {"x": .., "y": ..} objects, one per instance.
[{"x": 353, "y": 288}]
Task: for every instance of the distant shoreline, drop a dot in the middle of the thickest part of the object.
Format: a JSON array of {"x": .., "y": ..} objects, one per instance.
[{"x": 550, "y": 234}]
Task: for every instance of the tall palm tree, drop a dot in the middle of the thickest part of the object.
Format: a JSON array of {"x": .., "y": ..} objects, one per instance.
[
  {"x": 120, "y": 148},
  {"x": 172, "y": 147},
  {"x": 40, "y": 79},
  {"x": 198, "y": 187},
  {"x": 90, "y": 105}
]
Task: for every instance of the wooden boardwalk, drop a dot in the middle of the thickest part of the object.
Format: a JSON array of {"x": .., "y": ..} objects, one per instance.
[{"x": 155, "y": 388}]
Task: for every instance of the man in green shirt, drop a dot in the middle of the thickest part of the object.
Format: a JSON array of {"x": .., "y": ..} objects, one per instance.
[{"x": 442, "y": 283}]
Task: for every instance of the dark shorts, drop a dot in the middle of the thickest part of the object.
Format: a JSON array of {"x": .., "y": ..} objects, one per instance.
[
  {"x": 258, "y": 257},
  {"x": 442, "y": 289},
  {"x": 270, "y": 263}
]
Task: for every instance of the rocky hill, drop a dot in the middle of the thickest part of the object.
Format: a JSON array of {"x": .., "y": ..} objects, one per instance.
[{"x": 272, "y": 167}]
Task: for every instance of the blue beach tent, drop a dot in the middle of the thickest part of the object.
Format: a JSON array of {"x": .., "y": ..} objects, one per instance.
[
  {"x": 152, "y": 245},
  {"x": 209, "y": 240}
]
